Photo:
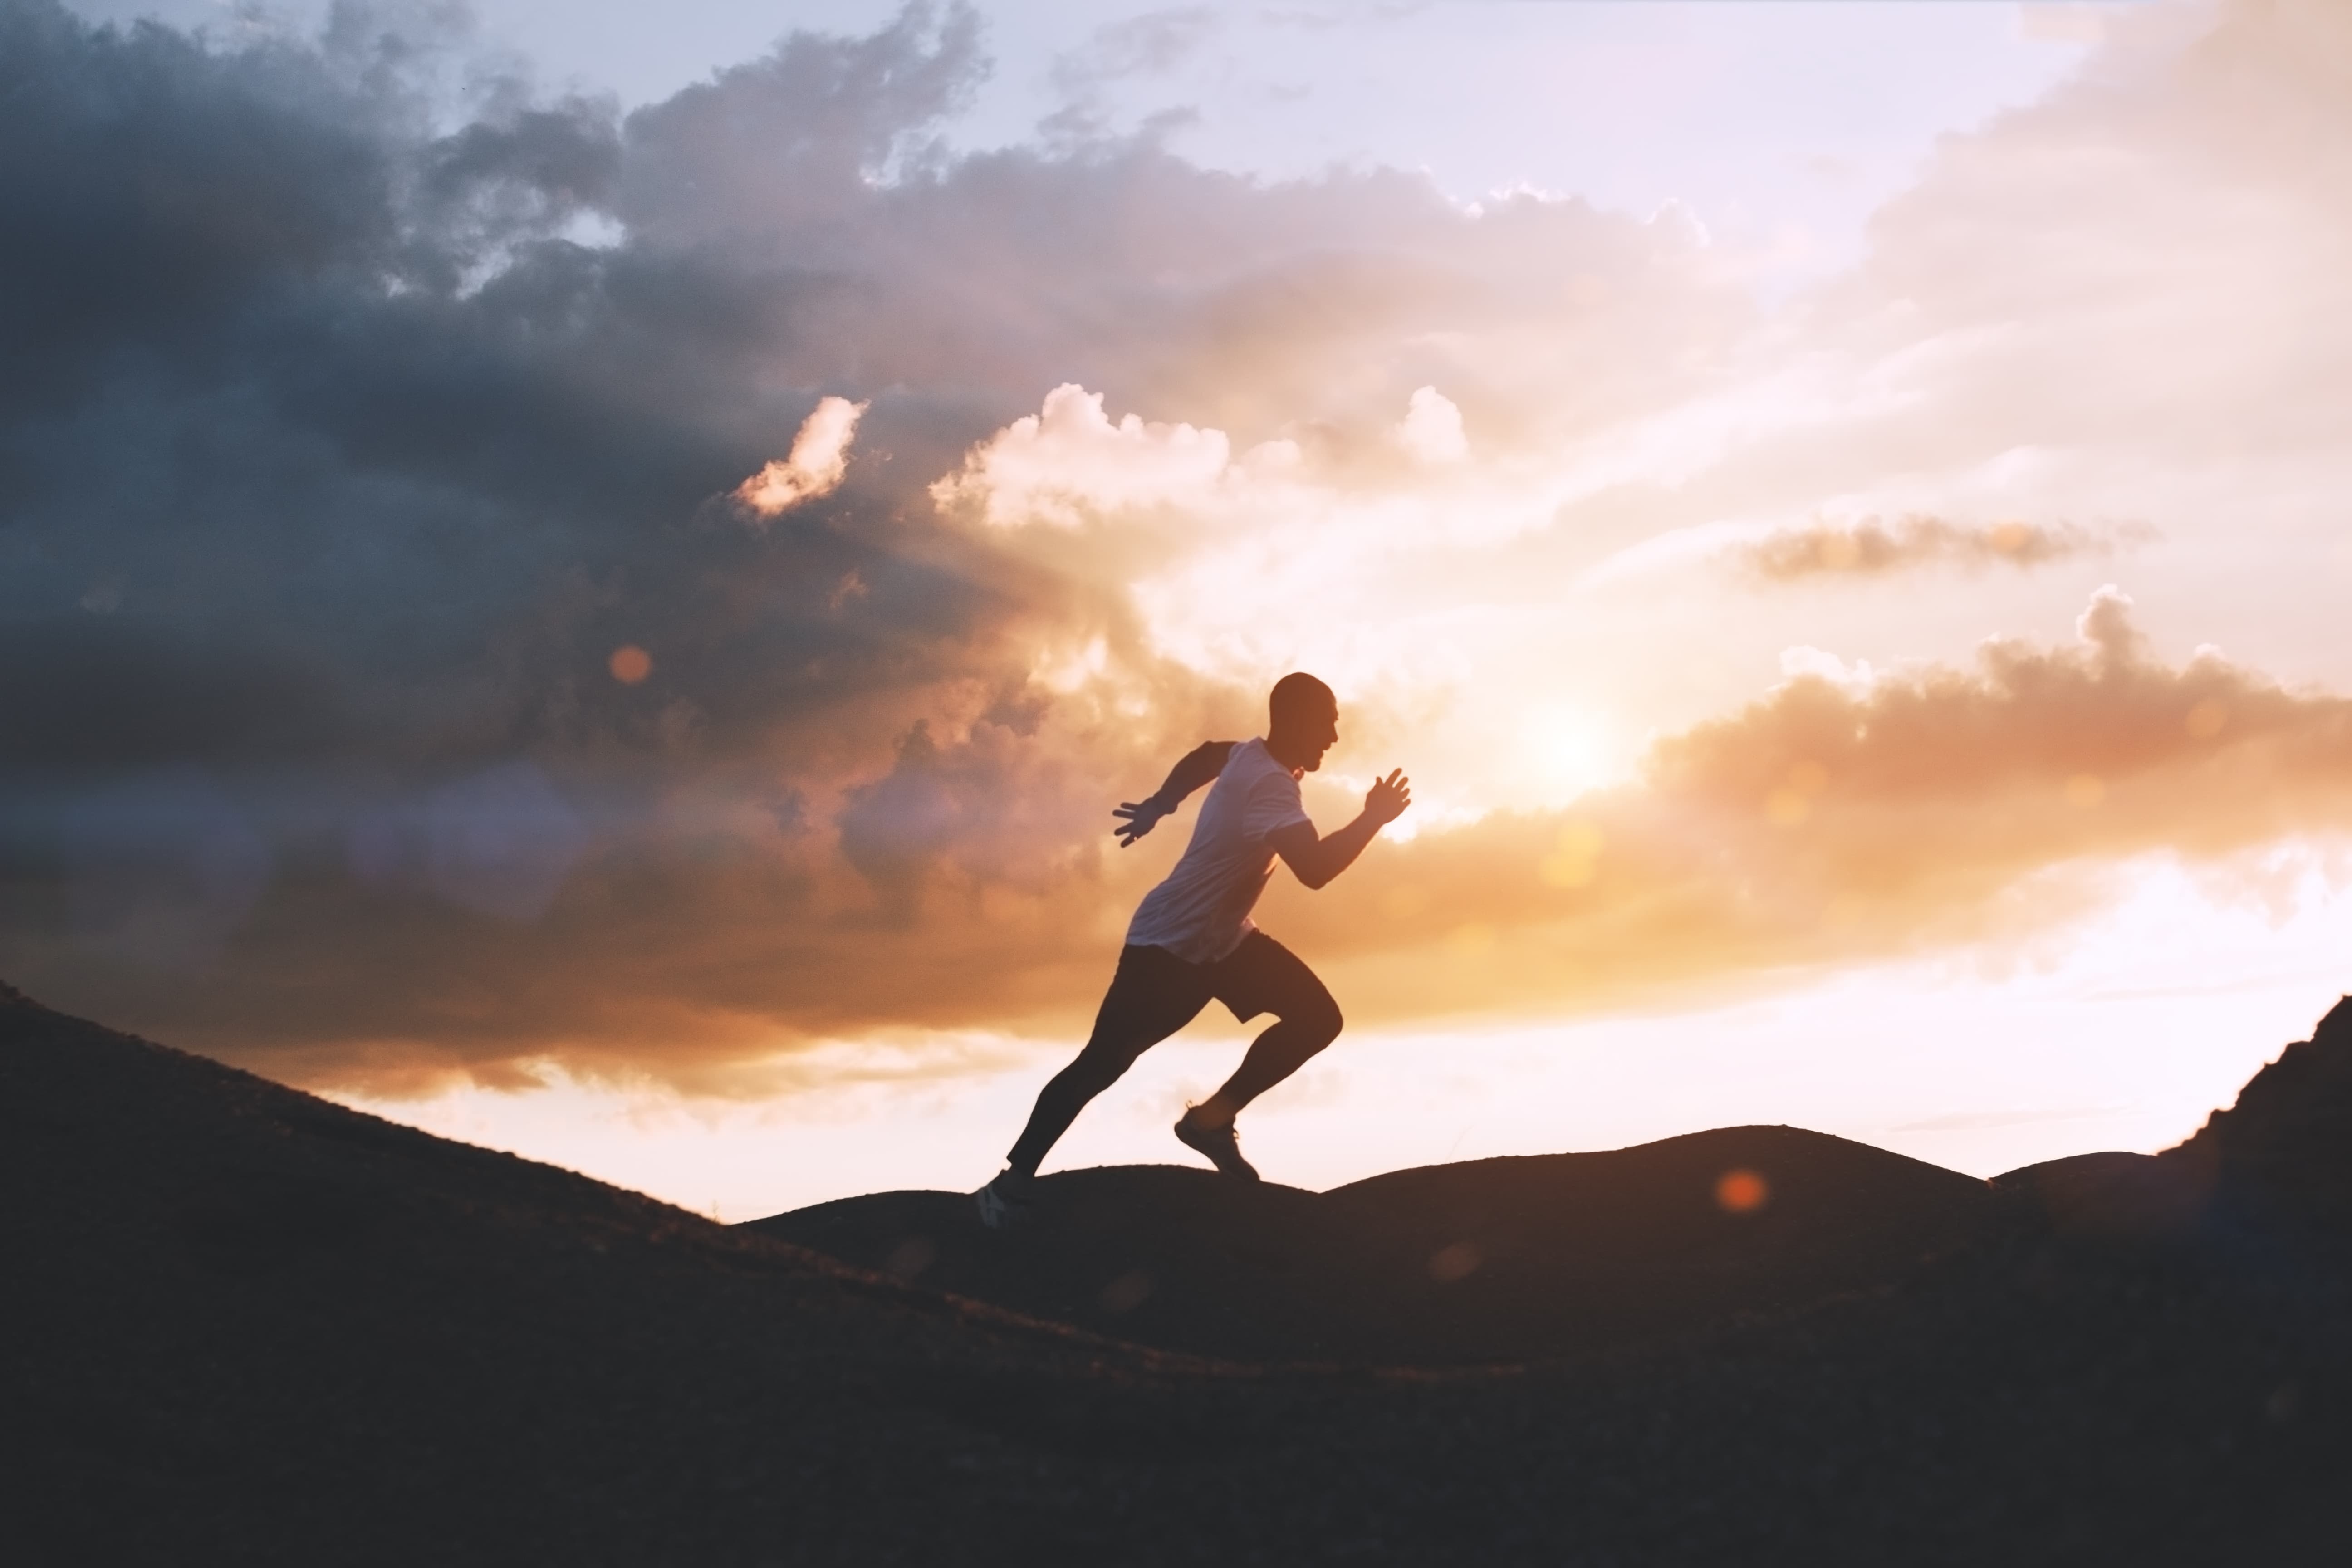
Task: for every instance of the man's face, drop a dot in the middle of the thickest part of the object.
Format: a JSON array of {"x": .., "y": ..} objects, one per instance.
[{"x": 1318, "y": 732}]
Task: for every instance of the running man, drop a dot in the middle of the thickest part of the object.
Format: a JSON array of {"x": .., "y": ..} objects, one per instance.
[{"x": 1191, "y": 939}]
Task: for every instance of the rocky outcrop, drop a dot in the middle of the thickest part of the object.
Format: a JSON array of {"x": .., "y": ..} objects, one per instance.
[{"x": 2284, "y": 1150}]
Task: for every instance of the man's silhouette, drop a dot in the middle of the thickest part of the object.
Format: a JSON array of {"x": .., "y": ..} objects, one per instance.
[{"x": 1191, "y": 939}]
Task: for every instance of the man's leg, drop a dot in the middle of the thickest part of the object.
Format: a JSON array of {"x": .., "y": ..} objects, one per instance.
[
  {"x": 1267, "y": 977},
  {"x": 1153, "y": 994}
]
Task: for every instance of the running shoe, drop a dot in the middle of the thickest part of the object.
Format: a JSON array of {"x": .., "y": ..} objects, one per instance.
[
  {"x": 1002, "y": 1203},
  {"x": 1223, "y": 1150}
]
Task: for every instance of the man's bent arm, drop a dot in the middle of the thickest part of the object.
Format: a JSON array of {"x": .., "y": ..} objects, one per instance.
[
  {"x": 1315, "y": 860},
  {"x": 1198, "y": 767}
]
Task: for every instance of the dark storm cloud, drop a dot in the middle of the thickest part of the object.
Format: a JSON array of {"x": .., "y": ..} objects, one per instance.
[
  {"x": 350, "y": 442},
  {"x": 333, "y": 473}
]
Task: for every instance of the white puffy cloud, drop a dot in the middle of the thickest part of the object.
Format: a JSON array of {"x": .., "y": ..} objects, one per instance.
[
  {"x": 815, "y": 467},
  {"x": 1069, "y": 461},
  {"x": 1431, "y": 431}
]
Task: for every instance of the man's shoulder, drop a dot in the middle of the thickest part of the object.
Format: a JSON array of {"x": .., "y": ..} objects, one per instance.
[
  {"x": 1270, "y": 787},
  {"x": 1250, "y": 763}
]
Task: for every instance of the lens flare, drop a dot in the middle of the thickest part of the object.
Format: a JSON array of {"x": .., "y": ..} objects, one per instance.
[
  {"x": 2206, "y": 719},
  {"x": 1575, "y": 862},
  {"x": 1741, "y": 1192},
  {"x": 1458, "y": 1261},
  {"x": 1127, "y": 1292}
]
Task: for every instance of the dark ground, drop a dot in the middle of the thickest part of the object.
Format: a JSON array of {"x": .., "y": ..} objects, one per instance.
[{"x": 243, "y": 1325}]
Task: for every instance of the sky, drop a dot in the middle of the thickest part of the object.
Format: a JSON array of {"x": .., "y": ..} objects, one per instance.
[{"x": 586, "y": 577}]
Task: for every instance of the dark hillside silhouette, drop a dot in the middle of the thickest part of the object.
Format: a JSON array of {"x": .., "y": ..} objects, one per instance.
[
  {"x": 1494, "y": 1260},
  {"x": 247, "y": 1326}
]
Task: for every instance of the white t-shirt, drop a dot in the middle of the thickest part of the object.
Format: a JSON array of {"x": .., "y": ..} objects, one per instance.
[{"x": 1202, "y": 911}]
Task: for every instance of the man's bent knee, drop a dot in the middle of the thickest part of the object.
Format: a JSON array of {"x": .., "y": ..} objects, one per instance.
[{"x": 1320, "y": 1022}]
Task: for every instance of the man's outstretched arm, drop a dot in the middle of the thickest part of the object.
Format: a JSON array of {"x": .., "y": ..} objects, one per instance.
[
  {"x": 1315, "y": 860},
  {"x": 1200, "y": 765}
]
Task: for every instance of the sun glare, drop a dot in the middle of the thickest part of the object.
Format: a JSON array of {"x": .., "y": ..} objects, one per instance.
[{"x": 1567, "y": 751}]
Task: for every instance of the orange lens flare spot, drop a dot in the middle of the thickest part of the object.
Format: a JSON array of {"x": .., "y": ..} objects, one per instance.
[
  {"x": 1787, "y": 808},
  {"x": 1741, "y": 1192},
  {"x": 912, "y": 1256},
  {"x": 1574, "y": 863},
  {"x": 1458, "y": 1261},
  {"x": 1127, "y": 1292},
  {"x": 1564, "y": 870},
  {"x": 1476, "y": 939},
  {"x": 2086, "y": 790},
  {"x": 2205, "y": 721},
  {"x": 630, "y": 664},
  {"x": 1839, "y": 551},
  {"x": 1403, "y": 904}
]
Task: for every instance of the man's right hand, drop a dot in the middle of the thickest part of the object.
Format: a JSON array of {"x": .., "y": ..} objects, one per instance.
[
  {"x": 1388, "y": 798},
  {"x": 1142, "y": 816}
]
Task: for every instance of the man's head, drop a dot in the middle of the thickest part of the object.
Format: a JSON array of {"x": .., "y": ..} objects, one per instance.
[{"x": 1302, "y": 721}]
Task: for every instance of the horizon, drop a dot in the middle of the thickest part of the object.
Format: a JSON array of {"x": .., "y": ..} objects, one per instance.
[{"x": 589, "y": 584}]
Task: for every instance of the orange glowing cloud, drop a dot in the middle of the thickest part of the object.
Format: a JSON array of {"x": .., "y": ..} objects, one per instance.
[
  {"x": 971, "y": 888},
  {"x": 1846, "y": 819}
]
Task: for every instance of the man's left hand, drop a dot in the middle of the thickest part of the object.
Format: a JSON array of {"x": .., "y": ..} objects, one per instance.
[{"x": 1141, "y": 817}]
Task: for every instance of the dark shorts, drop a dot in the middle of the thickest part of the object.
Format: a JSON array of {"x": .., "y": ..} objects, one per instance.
[{"x": 1155, "y": 993}]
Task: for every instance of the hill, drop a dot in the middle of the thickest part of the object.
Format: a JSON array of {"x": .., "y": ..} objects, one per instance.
[
  {"x": 244, "y": 1325},
  {"x": 1491, "y": 1260}
]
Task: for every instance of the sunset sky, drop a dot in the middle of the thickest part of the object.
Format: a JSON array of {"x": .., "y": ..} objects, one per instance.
[{"x": 587, "y": 576}]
